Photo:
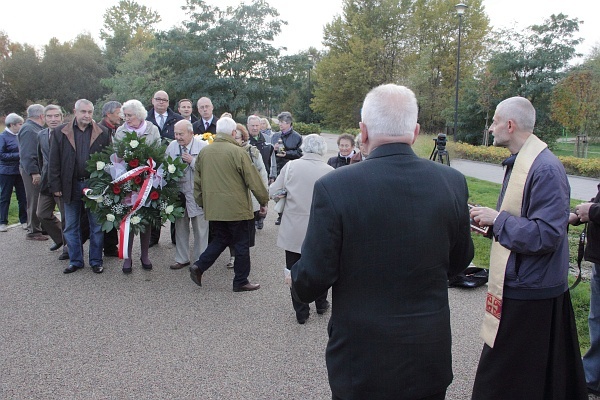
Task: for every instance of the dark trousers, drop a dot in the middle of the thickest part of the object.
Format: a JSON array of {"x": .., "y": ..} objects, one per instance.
[
  {"x": 437, "y": 396},
  {"x": 7, "y": 183},
  {"x": 111, "y": 241},
  {"x": 226, "y": 233},
  {"x": 302, "y": 309}
]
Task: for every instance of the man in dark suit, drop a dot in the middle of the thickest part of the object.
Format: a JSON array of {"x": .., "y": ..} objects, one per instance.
[
  {"x": 185, "y": 108},
  {"x": 162, "y": 116},
  {"x": 207, "y": 121},
  {"x": 387, "y": 252}
]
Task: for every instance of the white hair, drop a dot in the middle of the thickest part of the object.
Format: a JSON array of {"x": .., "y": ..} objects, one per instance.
[
  {"x": 314, "y": 143},
  {"x": 81, "y": 102},
  {"x": 13, "y": 119},
  {"x": 253, "y": 117},
  {"x": 35, "y": 111},
  {"x": 390, "y": 110},
  {"x": 226, "y": 125},
  {"x": 136, "y": 107},
  {"x": 518, "y": 109}
]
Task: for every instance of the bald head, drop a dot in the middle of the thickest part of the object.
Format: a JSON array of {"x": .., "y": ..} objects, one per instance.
[
  {"x": 520, "y": 111},
  {"x": 160, "y": 101},
  {"x": 205, "y": 108},
  {"x": 184, "y": 132}
]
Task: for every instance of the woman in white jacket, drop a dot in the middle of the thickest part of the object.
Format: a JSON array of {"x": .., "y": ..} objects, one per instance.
[{"x": 298, "y": 178}]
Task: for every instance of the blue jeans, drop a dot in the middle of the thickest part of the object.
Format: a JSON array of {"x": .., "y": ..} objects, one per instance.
[
  {"x": 72, "y": 233},
  {"x": 229, "y": 233},
  {"x": 591, "y": 359},
  {"x": 7, "y": 183}
]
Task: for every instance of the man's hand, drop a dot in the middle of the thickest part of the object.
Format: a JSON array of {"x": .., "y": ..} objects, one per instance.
[
  {"x": 280, "y": 154},
  {"x": 271, "y": 180},
  {"x": 58, "y": 194},
  {"x": 484, "y": 216},
  {"x": 263, "y": 210},
  {"x": 187, "y": 158},
  {"x": 36, "y": 179},
  {"x": 583, "y": 211},
  {"x": 573, "y": 218}
]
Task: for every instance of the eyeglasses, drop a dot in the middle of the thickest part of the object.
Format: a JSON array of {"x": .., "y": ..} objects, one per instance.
[{"x": 161, "y": 100}]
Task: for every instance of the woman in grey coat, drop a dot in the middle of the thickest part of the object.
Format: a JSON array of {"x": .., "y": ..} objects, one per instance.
[{"x": 298, "y": 178}]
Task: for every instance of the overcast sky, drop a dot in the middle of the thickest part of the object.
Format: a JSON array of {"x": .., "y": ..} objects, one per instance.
[{"x": 36, "y": 21}]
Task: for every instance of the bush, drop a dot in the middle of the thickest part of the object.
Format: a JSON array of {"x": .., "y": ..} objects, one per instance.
[
  {"x": 588, "y": 167},
  {"x": 306, "y": 129}
]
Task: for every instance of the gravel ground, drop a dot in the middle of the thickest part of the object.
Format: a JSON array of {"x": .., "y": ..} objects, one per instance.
[{"x": 156, "y": 335}]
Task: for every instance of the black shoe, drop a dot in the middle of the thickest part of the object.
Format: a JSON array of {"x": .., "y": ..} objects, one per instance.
[
  {"x": 55, "y": 246},
  {"x": 147, "y": 267},
  {"x": 593, "y": 391},
  {"x": 260, "y": 224},
  {"x": 71, "y": 269},
  {"x": 278, "y": 222},
  {"x": 301, "y": 320},
  {"x": 64, "y": 256},
  {"x": 323, "y": 308},
  {"x": 196, "y": 274},
  {"x": 127, "y": 270},
  {"x": 98, "y": 269}
]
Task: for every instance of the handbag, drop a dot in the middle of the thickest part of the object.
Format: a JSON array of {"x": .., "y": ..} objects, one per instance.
[{"x": 281, "y": 195}]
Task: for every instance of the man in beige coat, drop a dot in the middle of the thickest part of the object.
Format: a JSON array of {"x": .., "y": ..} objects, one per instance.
[{"x": 224, "y": 173}]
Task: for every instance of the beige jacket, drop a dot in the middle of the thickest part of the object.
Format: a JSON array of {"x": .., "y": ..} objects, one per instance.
[{"x": 301, "y": 178}]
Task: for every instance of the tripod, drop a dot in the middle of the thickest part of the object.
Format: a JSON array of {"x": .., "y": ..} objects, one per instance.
[{"x": 440, "y": 154}]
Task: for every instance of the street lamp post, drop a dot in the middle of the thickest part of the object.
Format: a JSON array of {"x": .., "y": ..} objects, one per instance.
[{"x": 460, "y": 10}]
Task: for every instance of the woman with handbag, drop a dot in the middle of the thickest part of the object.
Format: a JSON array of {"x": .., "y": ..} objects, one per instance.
[{"x": 296, "y": 180}]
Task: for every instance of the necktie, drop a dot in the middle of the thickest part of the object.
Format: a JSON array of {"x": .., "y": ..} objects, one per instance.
[
  {"x": 207, "y": 125},
  {"x": 161, "y": 123}
]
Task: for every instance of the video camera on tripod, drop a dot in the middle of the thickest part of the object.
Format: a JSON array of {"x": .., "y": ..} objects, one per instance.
[{"x": 439, "y": 153}]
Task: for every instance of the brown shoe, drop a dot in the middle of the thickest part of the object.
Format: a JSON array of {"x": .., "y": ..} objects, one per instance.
[
  {"x": 179, "y": 265},
  {"x": 36, "y": 237},
  {"x": 247, "y": 287},
  {"x": 196, "y": 274}
]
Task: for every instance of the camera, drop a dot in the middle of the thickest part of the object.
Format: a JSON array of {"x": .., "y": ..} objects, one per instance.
[{"x": 440, "y": 141}]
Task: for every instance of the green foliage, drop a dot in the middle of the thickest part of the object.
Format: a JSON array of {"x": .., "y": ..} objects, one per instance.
[
  {"x": 223, "y": 54},
  {"x": 127, "y": 26},
  {"x": 306, "y": 129}
]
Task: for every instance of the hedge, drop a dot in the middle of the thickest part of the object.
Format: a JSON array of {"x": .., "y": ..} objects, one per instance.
[{"x": 588, "y": 167}]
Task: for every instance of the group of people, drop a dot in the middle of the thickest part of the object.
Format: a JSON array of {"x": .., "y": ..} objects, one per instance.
[{"x": 386, "y": 247}]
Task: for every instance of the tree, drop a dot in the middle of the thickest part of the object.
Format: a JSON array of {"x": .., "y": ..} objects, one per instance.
[
  {"x": 531, "y": 62},
  {"x": 224, "y": 54},
  {"x": 71, "y": 71},
  {"x": 21, "y": 78},
  {"x": 127, "y": 26}
]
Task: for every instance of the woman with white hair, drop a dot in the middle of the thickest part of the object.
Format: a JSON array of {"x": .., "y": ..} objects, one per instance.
[
  {"x": 134, "y": 114},
  {"x": 298, "y": 178},
  {"x": 10, "y": 177}
]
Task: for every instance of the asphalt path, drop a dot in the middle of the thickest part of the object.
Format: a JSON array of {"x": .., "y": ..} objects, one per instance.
[{"x": 156, "y": 335}]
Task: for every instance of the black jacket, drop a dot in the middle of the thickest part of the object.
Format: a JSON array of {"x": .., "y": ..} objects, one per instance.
[
  {"x": 388, "y": 267},
  {"x": 199, "y": 127},
  {"x": 292, "y": 142},
  {"x": 339, "y": 161},
  {"x": 168, "y": 130},
  {"x": 62, "y": 171},
  {"x": 592, "y": 250}
]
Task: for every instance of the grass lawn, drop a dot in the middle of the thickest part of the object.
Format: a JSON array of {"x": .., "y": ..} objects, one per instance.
[
  {"x": 568, "y": 149},
  {"x": 13, "y": 210}
]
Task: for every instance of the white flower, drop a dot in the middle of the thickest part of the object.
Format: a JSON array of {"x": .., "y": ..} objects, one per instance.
[
  {"x": 171, "y": 168},
  {"x": 135, "y": 220},
  {"x": 100, "y": 165},
  {"x": 99, "y": 199},
  {"x": 110, "y": 217},
  {"x": 134, "y": 143},
  {"x": 169, "y": 209}
]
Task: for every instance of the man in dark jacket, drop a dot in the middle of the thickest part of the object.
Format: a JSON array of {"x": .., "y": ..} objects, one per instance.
[
  {"x": 162, "y": 116},
  {"x": 387, "y": 252},
  {"x": 185, "y": 108},
  {"x": 590, "y": 213},
  {"x": 71, "y": 147},
  {"x": 47, "y": 202},
  {"x": 286, "y": 142},
  {"x": 207, "y": 121},
  {"x": 29, "y": 167},
  {"x": 264, "y": 146}
]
